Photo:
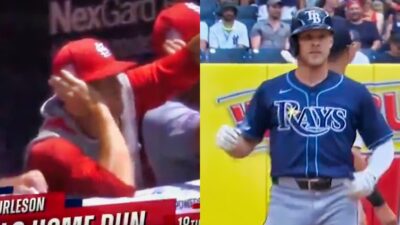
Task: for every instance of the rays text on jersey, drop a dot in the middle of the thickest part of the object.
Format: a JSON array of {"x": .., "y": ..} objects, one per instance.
[{"x": 309, "y": 121}]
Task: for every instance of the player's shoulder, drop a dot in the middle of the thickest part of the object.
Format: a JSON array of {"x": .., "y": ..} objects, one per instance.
[
  {"x": 54, "y": 146},
  {"x": 183, "y": 7},
  {"x": 273, "y": 83},
  {"x": 349, "y": 81},
  {"x": 355, "y": 86}
]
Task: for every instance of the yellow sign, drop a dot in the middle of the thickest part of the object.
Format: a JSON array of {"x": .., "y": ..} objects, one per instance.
[{"x": 235, "y": 191}]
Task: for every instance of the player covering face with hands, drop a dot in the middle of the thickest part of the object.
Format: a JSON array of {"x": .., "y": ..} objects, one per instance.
[
  {"x": 88, "y": 143},
  {"x": 313, "y": 121}
]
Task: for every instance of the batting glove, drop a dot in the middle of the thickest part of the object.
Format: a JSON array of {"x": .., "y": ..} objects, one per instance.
[
  {"x": 362, "y": 185},
  {"x": 228, "y": 137}
]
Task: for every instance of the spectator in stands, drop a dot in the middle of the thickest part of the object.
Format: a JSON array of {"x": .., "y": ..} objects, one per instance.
[
  {"x": 228, "y": 32},
  {"x": 203, "y": 36},
  {"x": 289, "y": 8},
  {"x": 262, "y": 10},
  {"x": 329, "y": 5},
  {"x": 271, "y": 33},
  {"x": 393, "y": 55},
  {"x": 367, "y": 30},
  {"x": 370, "y": 14},
  {"x": 393, "y": 4},
  {"x": 393, "y": 24}
]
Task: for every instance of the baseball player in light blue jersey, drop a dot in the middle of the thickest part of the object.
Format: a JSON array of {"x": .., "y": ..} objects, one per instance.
[{"x": 313, "y": 115}]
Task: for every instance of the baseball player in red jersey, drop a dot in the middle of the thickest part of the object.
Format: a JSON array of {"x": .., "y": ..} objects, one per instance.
[
  {"x": 175, "y": 26},
  {"x": 87, "y": 145}
]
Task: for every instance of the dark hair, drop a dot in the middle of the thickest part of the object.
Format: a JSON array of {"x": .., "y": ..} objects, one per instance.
[
  {"x": 227, "y": 6},
  {"x": 333, "y": 56},
  {"x": 321, "y": 3}
]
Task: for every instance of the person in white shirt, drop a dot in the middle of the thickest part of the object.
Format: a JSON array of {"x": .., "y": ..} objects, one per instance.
[
  {"x": 203, "y": 35},
  {"x": 228, "y": 32}
]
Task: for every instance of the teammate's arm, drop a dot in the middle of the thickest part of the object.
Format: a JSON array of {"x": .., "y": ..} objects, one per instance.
[
  {"x": 255, "y": 37},
  {"x": 155, "y": 83},
  {"x": 377, "y": 135},
  {"x": 382, "y": 210}
]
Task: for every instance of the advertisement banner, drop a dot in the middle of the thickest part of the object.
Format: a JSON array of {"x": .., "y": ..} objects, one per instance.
[
  {"x": 126, "y": 25},
  {"x": 229, "y": 187}
]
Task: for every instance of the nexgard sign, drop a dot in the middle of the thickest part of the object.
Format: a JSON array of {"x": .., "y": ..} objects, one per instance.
[{"x": 235, "y": 191}]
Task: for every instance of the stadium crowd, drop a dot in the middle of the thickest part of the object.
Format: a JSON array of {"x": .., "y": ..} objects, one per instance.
[{"x": 258, "y": 31}]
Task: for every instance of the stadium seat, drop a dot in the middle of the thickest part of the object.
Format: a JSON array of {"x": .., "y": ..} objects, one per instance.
[
  {"x": 227, "y": 56},
  {"x": 266, "y": 55},
  {"x": 249, "y": 24},
  {"x": 202, "y": 56},
  {"x": 385, "y": 47},
  {"x": 247, "y": 12},
  {"x": 208, "y": 8},
  {"x": 209, "y": 22}
]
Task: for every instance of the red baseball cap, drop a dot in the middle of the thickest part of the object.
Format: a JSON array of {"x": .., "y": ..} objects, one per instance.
[{"x": 91, "y": 59}]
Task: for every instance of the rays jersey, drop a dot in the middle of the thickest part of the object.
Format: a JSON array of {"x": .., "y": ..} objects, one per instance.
[{"x": 312, "y": 129}]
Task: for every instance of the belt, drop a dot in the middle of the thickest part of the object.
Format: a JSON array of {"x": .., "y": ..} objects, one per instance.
[{"x": 315, "y": 184}]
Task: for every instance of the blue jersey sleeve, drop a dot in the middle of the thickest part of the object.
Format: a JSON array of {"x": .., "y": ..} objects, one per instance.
[
  {"x": 372, "y": 126},
  {"x": 257, "y": 116}
]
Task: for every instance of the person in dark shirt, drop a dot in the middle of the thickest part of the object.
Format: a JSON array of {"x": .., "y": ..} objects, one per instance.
[
  {"x": 368, "y": 32},
  {"x": 330, "y": 6},
  {"x": 393, "y": 55}
]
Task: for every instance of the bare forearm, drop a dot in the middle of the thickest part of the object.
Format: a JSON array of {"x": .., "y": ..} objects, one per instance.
[
  {"x": 203, "y": 45},
  {"x": 376, "y": 45},
  {"x": 256, "y": 42},
  {"x": 10, "y": 181},
  {"x": 114, "y": 153},
  {"x": 359, "y": 161}
]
